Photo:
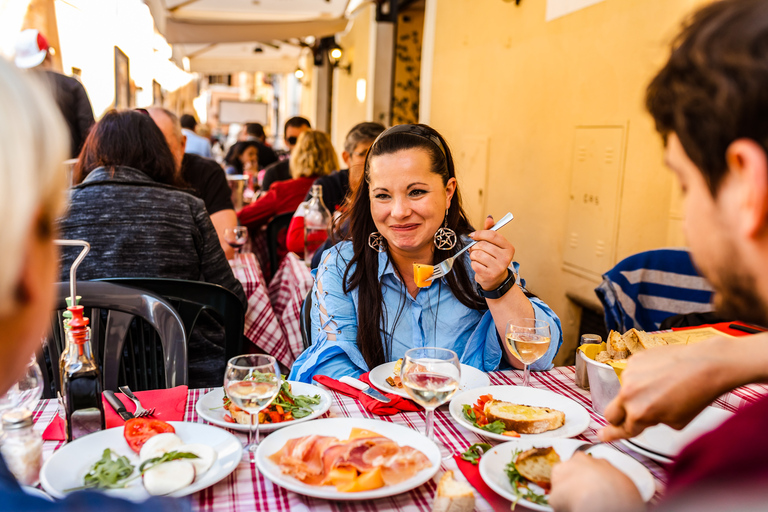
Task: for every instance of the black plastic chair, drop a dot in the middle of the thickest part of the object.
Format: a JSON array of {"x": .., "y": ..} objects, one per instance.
[
  {"x": 305, "y": 320},
  {"x": 190, "y": 298},
  {"x": 126, "y": 349},
  {"x": 276, "y": 225}
]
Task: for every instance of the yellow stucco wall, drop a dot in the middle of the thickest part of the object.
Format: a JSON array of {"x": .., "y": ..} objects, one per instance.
[{"x": 501, "y": 71}]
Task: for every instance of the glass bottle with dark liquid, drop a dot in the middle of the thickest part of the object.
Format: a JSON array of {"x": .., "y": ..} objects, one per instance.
[{"x": 80, "y": 379}]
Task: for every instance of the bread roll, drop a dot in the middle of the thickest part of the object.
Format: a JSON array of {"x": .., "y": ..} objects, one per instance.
[{"x": 453, "y": 495}]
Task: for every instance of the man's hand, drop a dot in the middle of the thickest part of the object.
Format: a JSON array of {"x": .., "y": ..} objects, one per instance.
[
  {"x": 669, "y": 385},
  {"x": 584, "y": 483},
  {"x": 490, "y": 257}
]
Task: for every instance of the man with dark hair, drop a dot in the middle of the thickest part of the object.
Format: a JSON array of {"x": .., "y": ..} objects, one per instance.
[
  {"x": 255, "y": 132},
  {"x": 710, "y": 106},
  {"x": 280, "y": 171},
  {"x": 205, "y": 176},
  {"x": 33, "y": 52},
  {"x": 196, "y": 144}
]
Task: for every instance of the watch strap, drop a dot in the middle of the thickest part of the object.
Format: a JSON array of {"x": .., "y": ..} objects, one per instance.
[{"x": 502, "y": 289}]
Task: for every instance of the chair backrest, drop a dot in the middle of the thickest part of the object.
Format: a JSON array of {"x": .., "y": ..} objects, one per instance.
[
  {"x": 127, "y": 349},
  {"x": 646, "y": 288},
  {"x": 278, "y": 224},
  {"x": 306, "y": 320},
  {"x": 190, "y": 298}
]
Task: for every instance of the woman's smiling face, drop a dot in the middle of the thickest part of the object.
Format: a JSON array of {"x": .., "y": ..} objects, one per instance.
[{"x": 408, "y": 200}]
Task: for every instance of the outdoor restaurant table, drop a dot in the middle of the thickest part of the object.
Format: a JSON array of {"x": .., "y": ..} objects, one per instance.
[{"x": 245, "y": 490}]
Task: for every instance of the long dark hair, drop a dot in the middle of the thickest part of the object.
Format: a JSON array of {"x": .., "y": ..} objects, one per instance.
[
  {"x": 237, "y": 149},
  {"x": 373, "y": 342},
  {"x": 132, "y": 139}
]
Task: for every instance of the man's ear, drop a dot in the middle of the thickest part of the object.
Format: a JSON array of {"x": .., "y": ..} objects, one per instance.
[
  {"x": 183, "y": 141},
  {"x": 748, "y": 166}
]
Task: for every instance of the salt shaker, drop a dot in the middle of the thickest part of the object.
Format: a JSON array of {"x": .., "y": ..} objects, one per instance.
[
  {"x": 582, "y": 379},
  {"x": 22, "y": 447}
]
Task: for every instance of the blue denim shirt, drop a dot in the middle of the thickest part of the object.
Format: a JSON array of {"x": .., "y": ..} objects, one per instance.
[
  {"x": 435, "y": 317},
  {"x": 14, "y": 499}
]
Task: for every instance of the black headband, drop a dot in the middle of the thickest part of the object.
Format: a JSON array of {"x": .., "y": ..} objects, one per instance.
[{"x": 419, "y": 131}]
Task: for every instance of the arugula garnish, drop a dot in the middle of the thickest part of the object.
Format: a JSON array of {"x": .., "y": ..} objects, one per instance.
[
  {"x": 107, "y": 473},
  {"x": 520, "y": 485},
  {"x": 474, "y": 452},
  {"x": 299, "y": 406},
  {"x": 497, "y": 427},
  {"x": 166, "y": 457}
]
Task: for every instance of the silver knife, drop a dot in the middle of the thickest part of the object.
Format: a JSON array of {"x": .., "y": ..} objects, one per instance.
[
  {"x": 117, "y": 405},
  {"x": 365, "y": 388}
]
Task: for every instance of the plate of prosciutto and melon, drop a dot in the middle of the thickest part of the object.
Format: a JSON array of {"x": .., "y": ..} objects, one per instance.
[{"x": 348, "y": 459}]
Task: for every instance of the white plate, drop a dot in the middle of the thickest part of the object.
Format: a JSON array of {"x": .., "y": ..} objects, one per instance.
[
  {"x": 492, "y": 466},
  {"x": 471, "y": 378},
  {"x": 576, "y": 416},
  {"x": 67, "y": 466},
  {"x": 668, "y": 442},
  {"x": 653, "y": 456},
  {"x": 210, "y": 408},
  {"x": 340, "y": 428}
]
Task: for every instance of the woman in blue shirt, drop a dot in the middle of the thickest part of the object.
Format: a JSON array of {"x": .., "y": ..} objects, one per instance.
[{"x": 366, "y": 307}]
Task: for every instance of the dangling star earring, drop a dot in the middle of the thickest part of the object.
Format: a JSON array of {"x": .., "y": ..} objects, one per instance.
[
  {"x": 377, "y": 242},
  {"x": 445, "y": 237}
]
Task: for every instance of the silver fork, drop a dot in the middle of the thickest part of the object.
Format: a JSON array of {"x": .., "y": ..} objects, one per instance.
[
  {"x": 586, "y": 447},
  {"x": 445, "y": 266},
  {"x": 140, "y": 410}
]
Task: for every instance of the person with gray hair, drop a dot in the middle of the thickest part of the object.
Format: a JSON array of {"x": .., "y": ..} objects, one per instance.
[
  {"x": 32, "y": 192},
  {"x": 206, "y": 178}
]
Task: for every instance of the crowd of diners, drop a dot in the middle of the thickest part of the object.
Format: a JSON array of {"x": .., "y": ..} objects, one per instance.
[{"x": 147, "y": 208}]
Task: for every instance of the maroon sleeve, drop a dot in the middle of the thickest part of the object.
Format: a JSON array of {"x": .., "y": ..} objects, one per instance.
[{"x": 260, "y": 211}]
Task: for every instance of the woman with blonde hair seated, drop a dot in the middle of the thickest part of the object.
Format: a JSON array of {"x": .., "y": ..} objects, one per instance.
[
  {"x": 312, "y": 157},
  {"x": 366, "y": 306},
  {"x": 32, "y": 188}
]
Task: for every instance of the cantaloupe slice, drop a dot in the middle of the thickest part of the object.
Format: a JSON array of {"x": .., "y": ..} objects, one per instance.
[
  {"x": 357, "y": 433},
  {"x": 341, "y": 477},
  {"x": 367, "y": 481},
  {"x": 421, "y": 273}
]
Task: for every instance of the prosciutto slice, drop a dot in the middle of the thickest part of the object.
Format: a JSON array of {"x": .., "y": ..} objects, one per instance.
[{"x": 311, "y": 458}]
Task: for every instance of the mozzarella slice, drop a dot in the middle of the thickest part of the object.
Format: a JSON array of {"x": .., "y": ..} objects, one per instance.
[
  {"x": 158, "y": 445},
  {"x": 169, "y": 477},
  {"x": 206, "y": 456}
]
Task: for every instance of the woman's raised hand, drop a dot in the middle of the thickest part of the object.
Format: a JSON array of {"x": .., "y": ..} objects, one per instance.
[{"x": 491, "y": 256}]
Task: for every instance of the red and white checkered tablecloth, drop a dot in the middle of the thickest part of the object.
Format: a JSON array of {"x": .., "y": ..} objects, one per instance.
[
  {"x": 245, "y": 490},
  {"x": 272, "y": 316}
]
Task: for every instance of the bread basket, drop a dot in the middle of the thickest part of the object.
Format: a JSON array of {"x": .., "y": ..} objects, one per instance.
[{"x": 603, "y": 383}]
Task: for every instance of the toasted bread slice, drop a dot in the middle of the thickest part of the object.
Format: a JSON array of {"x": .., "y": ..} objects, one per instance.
[
  {"x": 649, "y": 340},
  {"x": 603, "y": 357},
  {"x": 632, "y": 341},
  {"x": 524, "y": 419},
  {"x": 453, "y": 495},
  {"x": 617, "y": 347},
  {"x": 536, "y": 465}
]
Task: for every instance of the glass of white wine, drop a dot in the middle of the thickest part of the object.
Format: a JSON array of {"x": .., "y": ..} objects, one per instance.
[
  {"x": 251, "y": 382},
  {"x": 528, "y": 339},
  {"x": 431, "y": 376}
]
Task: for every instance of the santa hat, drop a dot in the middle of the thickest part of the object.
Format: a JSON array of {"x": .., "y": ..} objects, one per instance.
[{"x": 31, "y": 48}]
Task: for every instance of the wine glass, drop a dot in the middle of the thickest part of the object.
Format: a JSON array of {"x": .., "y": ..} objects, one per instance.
[
  {"x": 251, "y": 382},
  {"x": 236, "y": 238},
  {"x": 25, "y": 393},
  {"x": 431, "y": 376},
  {"x": 528, "y": 339}
]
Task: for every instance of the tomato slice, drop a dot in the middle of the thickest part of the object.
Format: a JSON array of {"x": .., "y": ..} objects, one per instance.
[{"x": 138, "y": 430}]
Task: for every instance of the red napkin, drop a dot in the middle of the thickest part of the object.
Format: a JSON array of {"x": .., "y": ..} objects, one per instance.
[
  {"x": 170, "y": 405},
  {"x": 472, "y": 474},
  {"x": 398, "y": 404},
  {"x": 722, "y": 326}
]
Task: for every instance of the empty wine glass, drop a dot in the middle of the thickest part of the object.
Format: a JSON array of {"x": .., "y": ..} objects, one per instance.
[
  {"x": 431, "y": 376},
  {"x": 26, "y": 392},
  {"x": 251, "y": 382},
  {"x": 529, "y": 340},
  {"x": 236, "y": 238}
]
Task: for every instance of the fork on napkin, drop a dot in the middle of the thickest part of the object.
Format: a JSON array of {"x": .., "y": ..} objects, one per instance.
[
  {"x": 170, "y": 405},
  {"x": 398, "y": 403}
]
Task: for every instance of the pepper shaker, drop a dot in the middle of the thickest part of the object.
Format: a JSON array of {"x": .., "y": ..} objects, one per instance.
[
  {"x": 22, "y": 447},
  {"x": 582, "y": 379}
]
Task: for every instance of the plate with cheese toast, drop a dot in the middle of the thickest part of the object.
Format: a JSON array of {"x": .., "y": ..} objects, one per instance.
[
  {"x": 504, "y": 412},
  {"x": 386, "y": 377},
  {"x": 521, "y": 470}
]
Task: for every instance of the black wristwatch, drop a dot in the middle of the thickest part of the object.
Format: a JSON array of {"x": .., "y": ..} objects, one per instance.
[{"x": 503, "y": 288}]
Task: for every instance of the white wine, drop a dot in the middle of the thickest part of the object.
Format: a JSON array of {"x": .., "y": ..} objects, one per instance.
[
  {"x": 528, "y": 347},
  {"x": 252, "y": 396},
  {"x": 430, "y": 389}
]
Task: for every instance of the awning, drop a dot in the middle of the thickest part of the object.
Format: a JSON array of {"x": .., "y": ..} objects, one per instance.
[{"x": 177, "y": 31}]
